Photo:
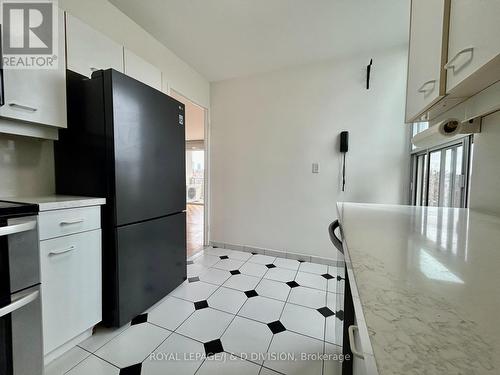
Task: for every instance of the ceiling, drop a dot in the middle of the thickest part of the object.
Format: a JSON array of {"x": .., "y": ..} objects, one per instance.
[{"x": 224, "y": 39}]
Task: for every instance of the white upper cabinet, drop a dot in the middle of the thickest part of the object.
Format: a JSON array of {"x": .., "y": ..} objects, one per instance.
[
  {"x": 37, "y": 95},
  {"x": 474, "y": 46},
  {"x": 89, "y": 50},
  {"x": 427, "y": 55},
  {"x": 141, "y": 70}
]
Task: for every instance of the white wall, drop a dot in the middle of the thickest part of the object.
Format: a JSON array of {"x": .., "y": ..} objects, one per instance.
[
  {"x": 106, "y": 18},
  {"x": 268, "y": 129},
  {"x": 26, "y": 166},
  {"x": 485, "y": 182}
]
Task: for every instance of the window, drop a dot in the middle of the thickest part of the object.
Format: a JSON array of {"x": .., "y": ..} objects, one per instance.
[{"x": 441, "y": 175}]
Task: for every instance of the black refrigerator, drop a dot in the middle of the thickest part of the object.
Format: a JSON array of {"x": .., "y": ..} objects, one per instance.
[{"x": 125, "y": 141}]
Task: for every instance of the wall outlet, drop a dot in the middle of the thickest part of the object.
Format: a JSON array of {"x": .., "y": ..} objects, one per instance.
[{"x": 315, "y": 168}]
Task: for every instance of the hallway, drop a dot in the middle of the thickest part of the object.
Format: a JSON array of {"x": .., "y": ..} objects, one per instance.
[{"x": 194, "y": 228}]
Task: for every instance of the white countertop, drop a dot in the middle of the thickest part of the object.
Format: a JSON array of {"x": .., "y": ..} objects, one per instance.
[
  {"x": 58, "y": 202},
  {"x": 428, "y": 283}
]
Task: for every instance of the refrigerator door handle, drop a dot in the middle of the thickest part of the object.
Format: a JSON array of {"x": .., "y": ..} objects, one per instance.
[
  {"x": 2, "y": 86},
  {"x": 21, "y": 302}
]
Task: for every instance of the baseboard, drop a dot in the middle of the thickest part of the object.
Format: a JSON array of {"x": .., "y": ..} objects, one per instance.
[
  {"x": 56, "y": 353},
  {"x": 336, "y": 262}
]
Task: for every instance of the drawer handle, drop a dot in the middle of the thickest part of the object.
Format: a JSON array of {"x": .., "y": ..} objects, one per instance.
[
  {"x": 450, "y": 65},
  {"x": 425, "y": 90},
  {"x": 23, "y": 107},
  {"x": 62, "y": 251},
  {"x": 71, "y": 222},
  {"x": 354, "y": 350}
]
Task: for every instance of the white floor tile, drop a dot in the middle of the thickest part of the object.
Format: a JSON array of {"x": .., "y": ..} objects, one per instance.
[
  {"x": 280, "y": 274},
  {"x": 333, "y": 333},
  {"x": 336, "y": 286},
  {"x": 95, "y": 366},
  {"x": 273, "y": 289},
  {"x": 197, "y": 291},
  {"x": 332, "y": 365},
  {"x": 229, "y": 264},
  {"x": 266, "y": 371},
  {"x": 239, "y": 255},
  {"x": 253, "y": 269},
  {"x": 206, "y": 260},
  {"x": 290, "y": 264},
  {"x": 289, "y": 342},
  {"x": 101, "y": 336},
  {"x": 171, "y": 313},
  {"x": 67, "y": 361},
  {"x": 195, "y": 269},
  {"x": 247, "y": 339},
  {"x": 242, "y": 282},
  {"x": 228, "y": 367},
  {"x": 331, "y": 301},
  {"x": 133, "y": 345},
  {"x": 205, "y": 325},
  {"x": 336, "y": 271},
  {"x": 229, "y": 300},
  {"x": 311, "y": 280},
  {"x": 261, "y": 259},
  {"x": 309, "y": 297},
  {"x": 177, "y": 355},
  {"x": 263, "y": 309},
  {"x": 216, "y": 251},
  {"x": 318, "y": 269},
  {"x": 304, "y": 320},
  {"x": 215, "y": 276}
]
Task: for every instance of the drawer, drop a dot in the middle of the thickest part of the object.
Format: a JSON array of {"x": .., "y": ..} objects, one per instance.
[
  {"x": 59, "y": 223},
  {"x": 71, "y": 286}
]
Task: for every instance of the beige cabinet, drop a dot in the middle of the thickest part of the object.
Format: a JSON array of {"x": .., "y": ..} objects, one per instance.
[
  {"x": 141, "y": 70},
  {"x": 474, "y": 46},
  {"x": 89, "y": 50},
  {"x": 427, "y": 55},
  {"x": 37, "y": 96}
]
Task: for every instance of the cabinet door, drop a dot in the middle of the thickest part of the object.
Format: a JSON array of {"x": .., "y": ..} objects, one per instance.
[
  {"x": 38, "y": 95},
  {"x": 89, "y": 50},
  {"x": 141, "y": 70},
  {"x": 427, "y": 55},
  {"x": 474, "y": 42},
  {"x": 71, "y": 286}
]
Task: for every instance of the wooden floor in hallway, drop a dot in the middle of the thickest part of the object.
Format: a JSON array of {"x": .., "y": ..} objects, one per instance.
[{"x": 194, "y": 228}]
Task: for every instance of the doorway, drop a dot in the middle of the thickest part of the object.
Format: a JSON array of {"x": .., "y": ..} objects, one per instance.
[{"x": 196, "y": 182}]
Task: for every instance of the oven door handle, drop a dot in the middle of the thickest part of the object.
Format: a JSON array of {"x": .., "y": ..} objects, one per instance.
[
  {"x": 17, "y": 228},
  {"x": 21, "y": 302}
]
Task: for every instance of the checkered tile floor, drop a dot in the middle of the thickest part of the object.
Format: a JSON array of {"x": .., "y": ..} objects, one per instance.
[{"x": 238, "y": 313}]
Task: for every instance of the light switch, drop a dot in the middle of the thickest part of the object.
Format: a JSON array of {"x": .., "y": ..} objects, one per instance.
[{"x": 315, "y": 168}]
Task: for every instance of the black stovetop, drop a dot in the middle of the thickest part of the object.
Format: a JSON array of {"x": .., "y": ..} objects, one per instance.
[{"x": 13, "y": 209}]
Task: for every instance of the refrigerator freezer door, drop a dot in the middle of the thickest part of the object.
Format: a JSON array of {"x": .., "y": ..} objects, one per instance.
[
  {"x": 149, "y": 148},
  {"x": 151, "y": 263}
]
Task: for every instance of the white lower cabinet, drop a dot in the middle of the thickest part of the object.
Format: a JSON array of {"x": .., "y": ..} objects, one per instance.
[{"x": 71, "y": 286}]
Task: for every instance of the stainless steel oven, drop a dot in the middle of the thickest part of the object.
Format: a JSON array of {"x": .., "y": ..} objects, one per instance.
[{"x": 21, "y": 345}]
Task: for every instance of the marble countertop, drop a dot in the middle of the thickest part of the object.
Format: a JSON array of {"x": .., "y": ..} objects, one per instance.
[
  {"x": 425, "y": 282},
  {"x": 58, "y": 202}
]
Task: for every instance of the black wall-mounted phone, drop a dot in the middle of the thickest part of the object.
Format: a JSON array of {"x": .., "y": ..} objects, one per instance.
[{"x": 344, "y": 147}]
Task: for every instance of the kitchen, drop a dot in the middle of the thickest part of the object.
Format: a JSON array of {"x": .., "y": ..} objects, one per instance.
[{"x": 293, "y": 278}]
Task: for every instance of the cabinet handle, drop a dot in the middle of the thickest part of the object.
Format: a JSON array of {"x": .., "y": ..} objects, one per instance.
[
  {"x": 71, "y": 222},
  {"x": 423, "y": 89},
  {"x": 354, "y": 350},
  {"x": 62, "y": 251},
  {"x": 450, "y": 65},
  {"x": 24, "y": 107}
]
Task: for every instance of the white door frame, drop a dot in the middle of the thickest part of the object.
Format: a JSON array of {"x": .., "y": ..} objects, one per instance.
[{"x": 206, "y": 177}]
